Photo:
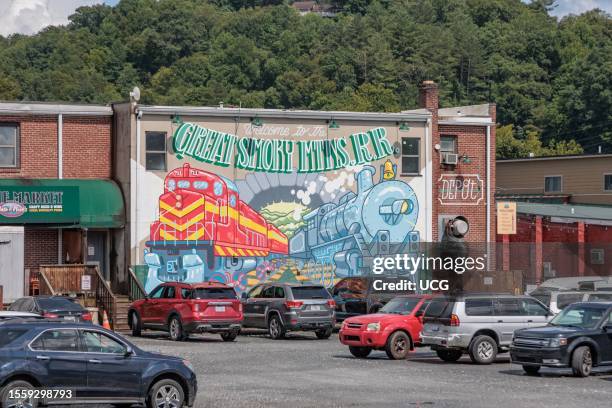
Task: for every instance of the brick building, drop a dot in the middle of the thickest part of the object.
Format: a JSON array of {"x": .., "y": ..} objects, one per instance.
[{"x": 57, "y": 201}]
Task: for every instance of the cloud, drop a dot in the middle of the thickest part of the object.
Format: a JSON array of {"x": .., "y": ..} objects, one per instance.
[
  {"x": 565, "y": 7},
  {"x": 31, "y": 16}
]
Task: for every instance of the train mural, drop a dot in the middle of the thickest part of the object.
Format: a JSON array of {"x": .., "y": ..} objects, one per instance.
[{"x": 205, "y": 231}]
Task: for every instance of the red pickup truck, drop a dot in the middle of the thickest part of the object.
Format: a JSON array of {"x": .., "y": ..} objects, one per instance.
[{"x": 183, "y": 308}]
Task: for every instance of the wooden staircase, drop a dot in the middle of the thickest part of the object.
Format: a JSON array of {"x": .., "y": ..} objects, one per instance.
[{"x": 122, "y": 304}]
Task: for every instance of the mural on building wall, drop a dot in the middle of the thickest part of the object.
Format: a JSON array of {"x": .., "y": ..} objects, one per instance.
[{"x": 315, "y": 226}]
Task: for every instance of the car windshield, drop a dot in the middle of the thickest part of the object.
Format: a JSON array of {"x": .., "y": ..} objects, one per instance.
[
  {"x": 400, "y": 306},
  {"x": 59, "y": 304},
  {"x": 309, "y": 292},
  {"x": 583, "y": 316},
  {"x": 7, "y": 336},
  {"x": 213, "y": 293}
]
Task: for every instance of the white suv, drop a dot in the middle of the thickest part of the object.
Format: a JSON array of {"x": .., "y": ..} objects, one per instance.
[{"x": 557, "y": 300}]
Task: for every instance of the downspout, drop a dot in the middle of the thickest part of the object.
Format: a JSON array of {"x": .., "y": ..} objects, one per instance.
[
  {"x": 488, "y": 217},
  {"x": 136, "y": 186},
  {"x": 428, "y": 183},
  {"x": 60, "y": 175}
]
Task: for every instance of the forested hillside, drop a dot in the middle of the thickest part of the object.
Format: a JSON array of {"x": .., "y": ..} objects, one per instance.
[{"x": 551, "y": 79}]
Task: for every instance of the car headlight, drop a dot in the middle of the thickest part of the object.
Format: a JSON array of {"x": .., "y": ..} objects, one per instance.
[
  {"x": 558, "y": 342},
  {"x": 188, "y": 365},
  {"x": 373, "y": 327}
]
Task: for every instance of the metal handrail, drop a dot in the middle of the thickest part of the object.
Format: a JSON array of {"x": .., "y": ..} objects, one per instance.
[
  {"x": 135, "y": 288},
  {"x": 105, "y": 297}
]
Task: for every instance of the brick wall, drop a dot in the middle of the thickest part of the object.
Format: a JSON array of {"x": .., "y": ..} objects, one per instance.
[{"x": 40, "y": 247}]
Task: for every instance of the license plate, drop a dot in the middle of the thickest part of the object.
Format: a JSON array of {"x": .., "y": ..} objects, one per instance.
[
  {"x": 316, "y": 307},
  {"x": 70, "y": 318},
  {"x": 435, "y": 328},
  {"x": 219, "y": 308}
]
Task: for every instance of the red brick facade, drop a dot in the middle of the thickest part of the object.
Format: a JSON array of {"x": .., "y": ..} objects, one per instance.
[{"x": 40, "y": 247}]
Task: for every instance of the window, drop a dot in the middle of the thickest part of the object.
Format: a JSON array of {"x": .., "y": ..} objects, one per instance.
[
  {"x": 268, "y": 293},
  {"x": 509, "y": 307},
  {"x": 410, "y": 155},
  {"x": 448, "y": 144},
  {"x": 96, "y": 342},
  {"x": 608, "y": 182},
  {"x": 7, "y": 336},
  {"x": 552, "y": 184},
  {"x": 479, "y": 307},
  {"x": 534, "y": 308},
  {"x": 309, "y": 292},
  {"x": 279, "y": 292},
  {"x": 214, "y": 293},
  {"x": 155, "y": 150},
  {"x": 255, "y": 292},
  {"x": 9, "y": 145},
  {"x": 185, "y": 293},
  {"x": 597, "y": 256},
  {"x": 157, "y": 292},
  {"x": 57, "y": 340},
  {"x": 169, "y": 293},
  {"x": 564, "y": 300}
]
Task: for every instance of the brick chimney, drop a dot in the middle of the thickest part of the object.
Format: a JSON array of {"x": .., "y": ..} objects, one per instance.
[{"x": 428, "y": 95}]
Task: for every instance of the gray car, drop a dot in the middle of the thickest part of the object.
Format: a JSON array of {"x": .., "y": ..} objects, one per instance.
[
  {"x": 481, "y": 325},
  {"x": 282, "y": 307}
]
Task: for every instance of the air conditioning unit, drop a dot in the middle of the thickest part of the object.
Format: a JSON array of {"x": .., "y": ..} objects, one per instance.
[{"x": 450, "y": 158}]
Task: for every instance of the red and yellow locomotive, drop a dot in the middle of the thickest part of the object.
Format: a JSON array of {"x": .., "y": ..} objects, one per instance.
[{"x": 206, "y": 232}]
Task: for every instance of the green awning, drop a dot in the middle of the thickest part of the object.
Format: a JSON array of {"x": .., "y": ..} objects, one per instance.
[{"x": 67, "y": 203}]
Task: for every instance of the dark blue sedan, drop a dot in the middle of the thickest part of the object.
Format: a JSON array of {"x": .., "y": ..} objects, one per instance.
[{"x": 52, "y": 362}]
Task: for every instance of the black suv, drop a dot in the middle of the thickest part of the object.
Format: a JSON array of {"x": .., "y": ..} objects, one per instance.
[
  {"x": 77, "y": 364},
  {"x": 354, "y": 297},
  {"x": 579, "y": 337}
]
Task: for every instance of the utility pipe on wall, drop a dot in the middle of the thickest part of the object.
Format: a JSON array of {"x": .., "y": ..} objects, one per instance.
[{"x": 488, "y": 217}]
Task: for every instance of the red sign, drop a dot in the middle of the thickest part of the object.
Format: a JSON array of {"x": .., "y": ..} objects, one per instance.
[{"x": 12, "y": 209}]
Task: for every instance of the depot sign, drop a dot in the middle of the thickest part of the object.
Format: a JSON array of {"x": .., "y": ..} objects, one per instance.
[
  {"x": 464, "y": 189},
  {"x": 280, "y": 155}
]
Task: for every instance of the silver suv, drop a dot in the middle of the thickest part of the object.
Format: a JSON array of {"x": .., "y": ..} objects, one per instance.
[
  {"x": 282, "y": 307},
  {"x": 481, "y": 325}
]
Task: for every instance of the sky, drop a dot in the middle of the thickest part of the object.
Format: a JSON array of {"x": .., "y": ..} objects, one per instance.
[{"x": 30, "y": 16}]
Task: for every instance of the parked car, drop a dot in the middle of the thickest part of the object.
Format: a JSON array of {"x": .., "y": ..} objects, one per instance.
[
  {"x": 354, "y": 297},
  {"x": 557, "y": 300},
  {"x": 52, "y": 307},
  {"x": 90, "y": 364},
  {"x": 481, "y": 325},
  {"x": 592, "y": 283},
  {"x": 579, "y": 337},
  {"x": 283, "y": 307},
  {"x": 7, "y": 314},
  {"x": 395, "y": 328},
  {"x": 184, "y": 308}
]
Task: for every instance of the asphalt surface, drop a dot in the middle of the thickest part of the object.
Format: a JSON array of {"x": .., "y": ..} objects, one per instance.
[{"x": 301, "y": 371}]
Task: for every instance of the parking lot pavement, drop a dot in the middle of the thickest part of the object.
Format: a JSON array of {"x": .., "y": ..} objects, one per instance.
[{"x": 301, "y": 371}]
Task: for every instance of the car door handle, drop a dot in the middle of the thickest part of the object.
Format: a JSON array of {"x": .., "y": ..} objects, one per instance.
[
  {"x": 529, "y": 321},
  {"x": 500, "y": 321},
  {"x": 94, "y": 361},
  {"x": 44, "y": 358}
]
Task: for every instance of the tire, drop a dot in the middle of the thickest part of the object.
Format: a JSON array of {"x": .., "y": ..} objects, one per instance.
[
  {"x": 483, "y": 350},
  {"x": 360, "y": 352},
  {"x": 582, "y": 361},
  {"x": 229, "y": 336},
  {"x": 450, "y": 356},
  {"x": 135, "y": 324},
  {"x": 324, "y": 334},
  {"x": 398, "y": 346},
  {"x": 166, "y": 388},
  {"x": 175, "y": 329},
  {"x": 17, "y": 385},
  {"x": 275, "y": 327},
  {"x": 531, "y": 370}
]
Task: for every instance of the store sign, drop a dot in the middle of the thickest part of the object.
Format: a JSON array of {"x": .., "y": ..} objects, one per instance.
[
  {"x": 506, "y": 218},
  {"x": 460, "y": 189},
  {"x": 34, "y": 204},
  {"x": 280, "y": 155}
]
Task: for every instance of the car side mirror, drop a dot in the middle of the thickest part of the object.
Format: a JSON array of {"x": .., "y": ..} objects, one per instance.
[
  {"x": 129, "y": 351},
  {"x": 608, "y": 328},
  {"x": 244, "y": 296},
  {"x": 419, "y": 313}
]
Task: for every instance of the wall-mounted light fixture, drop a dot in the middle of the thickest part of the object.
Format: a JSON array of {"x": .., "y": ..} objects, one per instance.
[
  {"x": 465, "y": 159},
  {"x": 176, "y": 119},
  {"x": 256, "y": 121},
  {"x": 404, "y": 126},
  {"x": 333, "y": 124}
]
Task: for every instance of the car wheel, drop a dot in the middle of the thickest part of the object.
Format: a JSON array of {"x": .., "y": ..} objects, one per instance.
[
  {"x": 175, "y": 328},
  {"x": 136, "y": 324},
  {"x": 531, "y": 370},
  {"x": 582, "y": 362},
  {"x": 229, "y": 336},
  {"x": 276, "y": 328},
  {"x": 449, "y": 356},
  {"x": 16, "y": 386},
  {"x": 324, "y": 334},
  {"x": 360, "y": 352},
  {"x": 398, "y": 346},
  {"x": 166, "y": 394},
  {"x": 483, "y": 350}
]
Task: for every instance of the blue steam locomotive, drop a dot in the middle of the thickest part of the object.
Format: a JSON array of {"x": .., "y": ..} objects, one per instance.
[{"x": 377, "y": 220}]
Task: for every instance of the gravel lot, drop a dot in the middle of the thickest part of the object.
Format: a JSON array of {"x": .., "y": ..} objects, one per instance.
[{"x": 301, "y": 371}]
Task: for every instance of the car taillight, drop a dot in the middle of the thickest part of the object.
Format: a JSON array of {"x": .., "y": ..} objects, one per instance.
[
  {"x": 50, "y": 315},
  {"x": 86, "y": 317},
  {"x": 331, "y": 303},
  {"x": 454, "y": 320},
  {"x": 240, "y": 307},
  {"x": 293, "y": 304}
]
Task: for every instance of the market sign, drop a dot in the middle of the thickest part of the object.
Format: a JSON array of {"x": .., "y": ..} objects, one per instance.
[
  {"x": 278, "y": 155},
  {"x": 38, "y": 204},
  {"x": 460, "y": 189},
  {"x": 506, "y": 218}
]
